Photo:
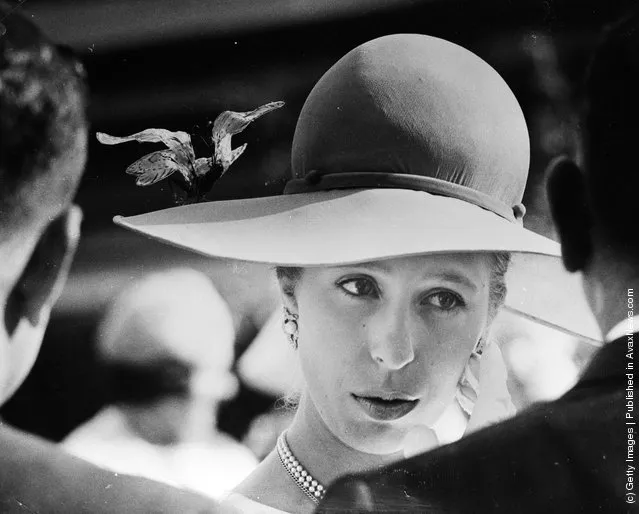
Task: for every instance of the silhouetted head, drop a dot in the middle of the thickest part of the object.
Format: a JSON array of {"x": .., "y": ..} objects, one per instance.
[
  {"x": 595, "y": 207},
  {"x": 43, "y": 132}
]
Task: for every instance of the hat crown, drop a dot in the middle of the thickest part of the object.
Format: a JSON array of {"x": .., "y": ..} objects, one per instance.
[{"x": 415, "y": 105}]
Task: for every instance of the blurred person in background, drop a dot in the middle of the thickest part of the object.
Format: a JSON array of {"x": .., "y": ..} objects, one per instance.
[
  {"x": 43, "y": 136},
  {"x": 166, "y": 346},
  {"x": 575, "y": 454}
]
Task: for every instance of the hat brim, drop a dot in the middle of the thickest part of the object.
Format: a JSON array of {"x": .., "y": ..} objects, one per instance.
[{"x": 341, "y": 227}]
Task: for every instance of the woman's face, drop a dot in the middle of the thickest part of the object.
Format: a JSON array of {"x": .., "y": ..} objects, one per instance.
[{"x": 383, "y": 344}]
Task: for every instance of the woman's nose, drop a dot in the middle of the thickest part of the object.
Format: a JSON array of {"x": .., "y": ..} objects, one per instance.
[{"x": 391, "y": 341}]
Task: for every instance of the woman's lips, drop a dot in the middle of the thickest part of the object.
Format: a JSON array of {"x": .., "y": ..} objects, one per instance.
[{"x": 385, "y": 410}]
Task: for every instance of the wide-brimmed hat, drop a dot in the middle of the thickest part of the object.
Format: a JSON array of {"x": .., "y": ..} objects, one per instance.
[{"x": 408, "y": 145}]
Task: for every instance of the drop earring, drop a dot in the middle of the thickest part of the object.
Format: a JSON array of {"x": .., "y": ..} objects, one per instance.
[
  {"x": 290, "y": 327},
  {"x": 479, "y": 347},
  {"x": 468, "y": 385}
]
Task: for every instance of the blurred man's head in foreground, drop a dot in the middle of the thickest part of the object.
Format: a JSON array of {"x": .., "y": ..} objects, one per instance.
[
  {"x": 167, "y": 345},
  {"x": 594, "y": 208},
  {"x": 43, "y": 134}
]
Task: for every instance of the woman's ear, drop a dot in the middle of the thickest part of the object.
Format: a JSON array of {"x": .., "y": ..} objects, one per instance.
[
  {"x": 45, "y": 274},
  {"x": 567, "y": 194},
  {"x": 287, "y": 287}
]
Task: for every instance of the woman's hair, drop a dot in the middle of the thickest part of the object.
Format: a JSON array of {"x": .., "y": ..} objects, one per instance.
[
  {"x": 290, "y": 276},
  {"x": 498, "y": 289}
]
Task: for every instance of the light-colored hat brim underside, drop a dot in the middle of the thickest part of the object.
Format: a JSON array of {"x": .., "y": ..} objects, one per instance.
[{"x": 341, "y": 227}]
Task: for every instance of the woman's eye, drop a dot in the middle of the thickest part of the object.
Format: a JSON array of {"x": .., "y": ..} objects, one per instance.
[
  {"x": 359, "y": 287},
  {"x": 445, "y": 300}
]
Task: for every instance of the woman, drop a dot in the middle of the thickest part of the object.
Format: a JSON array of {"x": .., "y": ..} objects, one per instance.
[{"x": 391, "y": 246}]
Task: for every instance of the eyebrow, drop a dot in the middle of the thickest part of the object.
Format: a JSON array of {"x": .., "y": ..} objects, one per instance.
[
  {"x": 457, "y": 279},
  {"x": 378, "y": 265},
  {"x": 447, "y": 276}
]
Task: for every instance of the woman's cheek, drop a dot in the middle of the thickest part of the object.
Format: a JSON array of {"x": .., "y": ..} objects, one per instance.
[{"x": 447, "y": 350}]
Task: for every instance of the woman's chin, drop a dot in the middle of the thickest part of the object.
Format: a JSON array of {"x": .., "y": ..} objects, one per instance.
[
  {"x": 375, "y": 438},
  {"x": 402, "y": 437}
]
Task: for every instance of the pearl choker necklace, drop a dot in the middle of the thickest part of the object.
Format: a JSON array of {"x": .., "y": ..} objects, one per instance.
[{"x": 311, "y": 487}]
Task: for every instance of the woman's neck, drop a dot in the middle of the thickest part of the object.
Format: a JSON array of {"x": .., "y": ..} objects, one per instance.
[{"x": 324, "y": 455}]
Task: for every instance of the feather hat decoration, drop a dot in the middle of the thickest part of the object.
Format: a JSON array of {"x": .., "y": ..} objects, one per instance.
[{"x": 194, "y": 176}]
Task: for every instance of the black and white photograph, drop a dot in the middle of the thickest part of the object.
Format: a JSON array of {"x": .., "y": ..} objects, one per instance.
[{"x": 318, "y": 256}]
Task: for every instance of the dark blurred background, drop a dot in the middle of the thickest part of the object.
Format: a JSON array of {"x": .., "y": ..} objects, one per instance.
[{"x": 178, "y": 64}]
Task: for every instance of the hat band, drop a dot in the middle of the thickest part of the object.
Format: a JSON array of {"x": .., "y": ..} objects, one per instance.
[{"x": 316, "y": 181}]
